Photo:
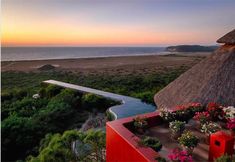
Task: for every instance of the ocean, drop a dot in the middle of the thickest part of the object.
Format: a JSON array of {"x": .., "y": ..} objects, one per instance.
[{"x": 45, "y": 53}]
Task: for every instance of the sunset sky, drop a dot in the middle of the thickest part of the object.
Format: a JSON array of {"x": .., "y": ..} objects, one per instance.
[{"x": 115, "y": 23}]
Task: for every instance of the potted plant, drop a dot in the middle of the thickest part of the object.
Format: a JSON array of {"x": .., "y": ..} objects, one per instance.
[
  {"x": 167, "y": 115},
  {"x": 201, "y": 118},
  {"x": 216, "y": 111},
  {"x": 187, "y": 111},
  {"x": 152, "y": 142},
  {"x": 178, "y": 155},
  {"x": 177, "y": 128},
  {"x": 188, "y": 141},
  {"x": 208, "y": 129},
  {"x": 195, "y": 107},
  {"x": 231, "y": 126},
  {"x": 140, "y": 124},
  {"x": 182, "y": 115},
  {"x": 229, "y": 112}
]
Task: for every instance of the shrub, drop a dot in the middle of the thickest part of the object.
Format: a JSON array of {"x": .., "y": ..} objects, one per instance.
[
  {"x": 210, "y": 128},
  {"x": 160, "y": 159},
  {"x": 202, "y": 117},
  {"x": 109, "y": 116},
  {"x": 57, "y": 147},
  {"x": 216, "y": 111},
  {"x": 146, "y": 96},
  {"x": 152, "y": 142},
  {"x": 140, "y": 122},
  {"x": 177, "y": 126},
  {"x": 166, "y": 115},
  {"x": 181, "y": 112},
  {"x": 91, "y": 101},
  {"x": 20, "y": 93},
  {"x": 68, "y": 96},
  {"x": 189, "y": 140},
  {"x": 225, "y": 158},
  {"x": 195, "y": 107},
  {"x": 187, "y": 111},
  {"x": 50, "y": 91},
  {"x": 6, "y": 96},
  {"x": 229, "y": 112}
]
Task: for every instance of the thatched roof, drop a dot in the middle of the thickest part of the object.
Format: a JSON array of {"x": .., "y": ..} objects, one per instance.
[
  {"x": 228, "y": 38},
  {"x": 211, "y": 80}
]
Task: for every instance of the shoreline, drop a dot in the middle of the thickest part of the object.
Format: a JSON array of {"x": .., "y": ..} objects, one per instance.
[
  {"x": 166, "y": 53},
  {"x": 91, "y": 57}
]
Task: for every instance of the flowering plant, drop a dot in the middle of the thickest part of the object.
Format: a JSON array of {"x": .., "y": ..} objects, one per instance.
[
  {"x": 180, "y": 108},
  {"x": 140, "y": 122},
  {"x": 229, "y": 112},
  {"x": 181, "y": 112},
  {"x": 180, "y": 156},
  {"x": 202, "y": 117},
  {"x": 166, "y": 115},
  {"x": 195, "y": 107},
  {"x": 231, "y": 124},
  {"x": 216, "y": 111},
  {"x": 188, "y": 140},
  {"x": 210, "y": 128},
  {"x": 177, "y": 126},
  {"x": 187, "y": 111}
]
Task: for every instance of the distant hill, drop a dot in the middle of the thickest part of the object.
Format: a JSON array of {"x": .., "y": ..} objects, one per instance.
[{"x": 191, "y": 48}]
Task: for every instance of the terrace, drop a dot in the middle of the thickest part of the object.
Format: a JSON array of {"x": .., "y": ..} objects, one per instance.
[{"x": 128, "y": 145}]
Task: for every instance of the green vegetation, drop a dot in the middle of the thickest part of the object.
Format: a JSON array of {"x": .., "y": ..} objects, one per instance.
[
  {"x": 141, "y": 86},
  {"x": 188, "y": 140},
  {"x": 152, "y": 142},
  {"x": 160, "y": 159},
  {"x": 225, "y": 158},
  {"x": 26, "y": 120},
  {"x": 90, "y": 146},
  {"x": 140, "y": 124}
]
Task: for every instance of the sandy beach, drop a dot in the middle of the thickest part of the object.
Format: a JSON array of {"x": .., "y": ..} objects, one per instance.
[{"x": 126, "y": 64}]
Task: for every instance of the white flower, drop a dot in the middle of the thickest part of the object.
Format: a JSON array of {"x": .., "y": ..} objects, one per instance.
[
  {"x": 229, "y": 112},
  {"x": 36, "y": 96}
]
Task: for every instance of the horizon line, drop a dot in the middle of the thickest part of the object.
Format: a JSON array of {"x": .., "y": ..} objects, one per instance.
[{"x": 136, "y": 46}]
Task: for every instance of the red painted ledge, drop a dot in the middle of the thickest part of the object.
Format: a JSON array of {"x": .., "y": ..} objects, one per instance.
[{"x": 122, "y": 144}]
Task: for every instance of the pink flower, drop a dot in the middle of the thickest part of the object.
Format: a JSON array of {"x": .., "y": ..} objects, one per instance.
[
  {"x": 186, "y": 106},
  {"x": 195, "y": 104},
  {"x": 231, "y": 124},
  {"x": 180, "y": 107},
  {"x": 201, "y": 115},
  {"x": 178, "y": 155}
]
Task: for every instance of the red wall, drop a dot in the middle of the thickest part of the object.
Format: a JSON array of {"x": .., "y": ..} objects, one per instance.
[{"x": 122, "y": 145}]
